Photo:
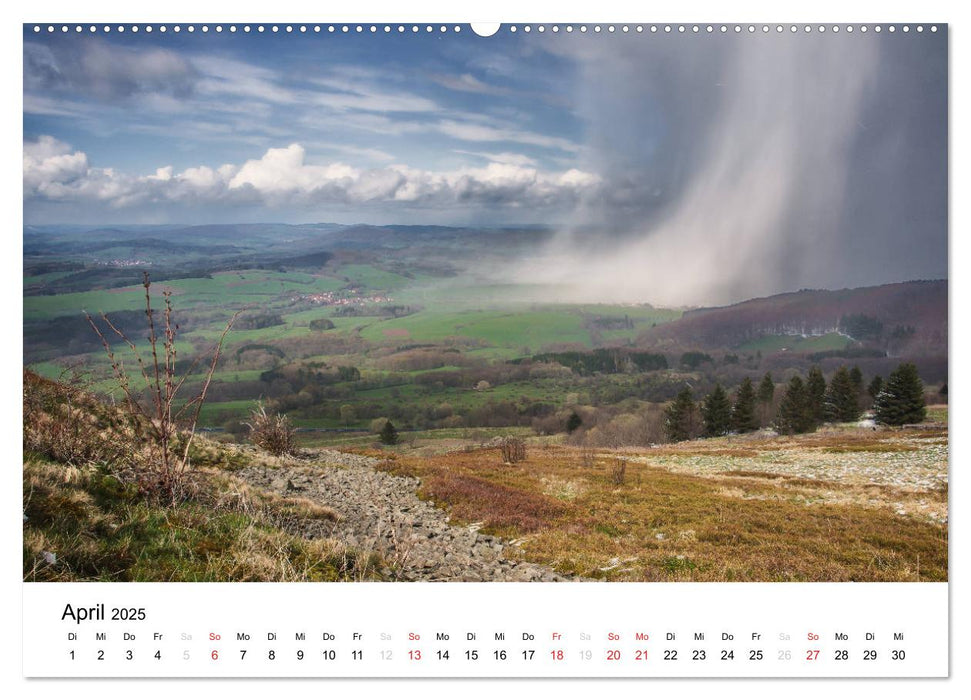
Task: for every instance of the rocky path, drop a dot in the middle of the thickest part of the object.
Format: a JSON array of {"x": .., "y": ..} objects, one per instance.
[{"x": 382, "y": 512}]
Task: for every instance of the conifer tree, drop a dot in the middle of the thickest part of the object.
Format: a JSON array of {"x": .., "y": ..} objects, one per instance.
[
  {"x": 842, "y": 402},
  {"x": 794, "y": 415},
  {"x": 901, "y": 400},
  {"x": 765, "y": 395},
  {"x": 815, "y": 395},
  {"x": 744, "y": 419},
  {"x": 717, "y": 412},
  {"x": 876, "y": 384},
  {"x": 766, "y": 389},
  {"x": 679, "y": 417},
  {"x": 856, "y": 376},
  {"x": 388, "y": 435}
]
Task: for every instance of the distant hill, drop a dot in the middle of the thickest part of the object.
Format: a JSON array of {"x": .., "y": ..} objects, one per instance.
[
  {"x": 264, "y": 237},
  {"x": 102, "y": 258},
  {"x": 903, "y": 318}
]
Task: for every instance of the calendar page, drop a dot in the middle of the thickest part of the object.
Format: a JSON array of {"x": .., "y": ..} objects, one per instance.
[{"x": 428, "y": 349}]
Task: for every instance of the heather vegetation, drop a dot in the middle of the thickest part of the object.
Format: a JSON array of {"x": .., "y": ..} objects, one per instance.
[{"x": 692, "y": 512}]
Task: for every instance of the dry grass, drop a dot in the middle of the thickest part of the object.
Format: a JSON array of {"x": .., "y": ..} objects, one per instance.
[
  {"x": 225, "y": 492},
  {"x": 664, "y": 525},
  {"x": 85, "y": 524},
  {"x": 72, "y": 427},
  {"x": 68, "y": 425}
]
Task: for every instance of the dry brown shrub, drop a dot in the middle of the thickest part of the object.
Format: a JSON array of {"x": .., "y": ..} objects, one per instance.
[
  {"x": 472, "y": 498},
  {"x": 618, "y": 472},
  {"x": 271, "y": 431},
  {"x": 513, "y": 450}
]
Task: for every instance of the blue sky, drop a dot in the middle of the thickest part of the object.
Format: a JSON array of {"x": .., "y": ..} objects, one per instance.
[
  {"x": 446, "y": 106},
  {"x": 818, "y": 159}
]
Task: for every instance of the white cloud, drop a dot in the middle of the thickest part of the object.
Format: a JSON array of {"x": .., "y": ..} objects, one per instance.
[
  {"x": 466, "y": 131},
  {"x": 161, "y": 174},
  {"x": 578, "y": 178},
  {"x": 357, "y": 95},
  {"x": 282, "y": 170},
  {"x": 505, "y": 157},
  {"x": 464, "y": 126},
  {"x": 282, "y": 176},
  {"x": 202, "y": 177},
  {"x": 375, "y": 154},
  {"x": 49, "y": 163},
  {"x": 223, "y": 76},
  {"x": 37, "y": 104},
  {"x": 467, "y": 82}
]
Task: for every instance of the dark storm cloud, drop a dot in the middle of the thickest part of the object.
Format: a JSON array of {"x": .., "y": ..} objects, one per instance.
[
  {"x": 757, "y": 164},
  {"x": 897, "y": 220}
]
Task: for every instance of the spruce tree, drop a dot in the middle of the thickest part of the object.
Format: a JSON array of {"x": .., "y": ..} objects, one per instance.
[
  {"x": 765, "y": 395},
  {"x": 766, "y": 389},
  {"x": 744, "y": 419},
  {"x": 388, "y": 435},
  {"x": 717, "y": 413},
  {"x": 816, "y": 395},
  {"x": 902, "y": 399},
  {"x": 876, "y": 384},
  {"x": 856, "y": 376},
  {"x": 794, "y": 415},
  {"x": 842, "y": 399},
  {"x": 679, "y": 417}
]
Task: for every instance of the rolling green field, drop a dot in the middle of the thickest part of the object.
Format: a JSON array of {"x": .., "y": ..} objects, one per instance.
[
  {"x": 375, "y": 278},
  {"x": 488, "y": 323},
  {"x": 498, "y": 328},
  {"x": 223, "y": 290},
  {"x": 46, "y": 307}
]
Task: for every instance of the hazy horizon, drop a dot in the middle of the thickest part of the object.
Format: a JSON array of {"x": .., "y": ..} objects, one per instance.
[{"x": 485, "y": 273}]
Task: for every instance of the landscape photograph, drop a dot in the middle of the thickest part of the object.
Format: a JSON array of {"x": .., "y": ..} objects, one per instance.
[{"x": 412, "y": 304}]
